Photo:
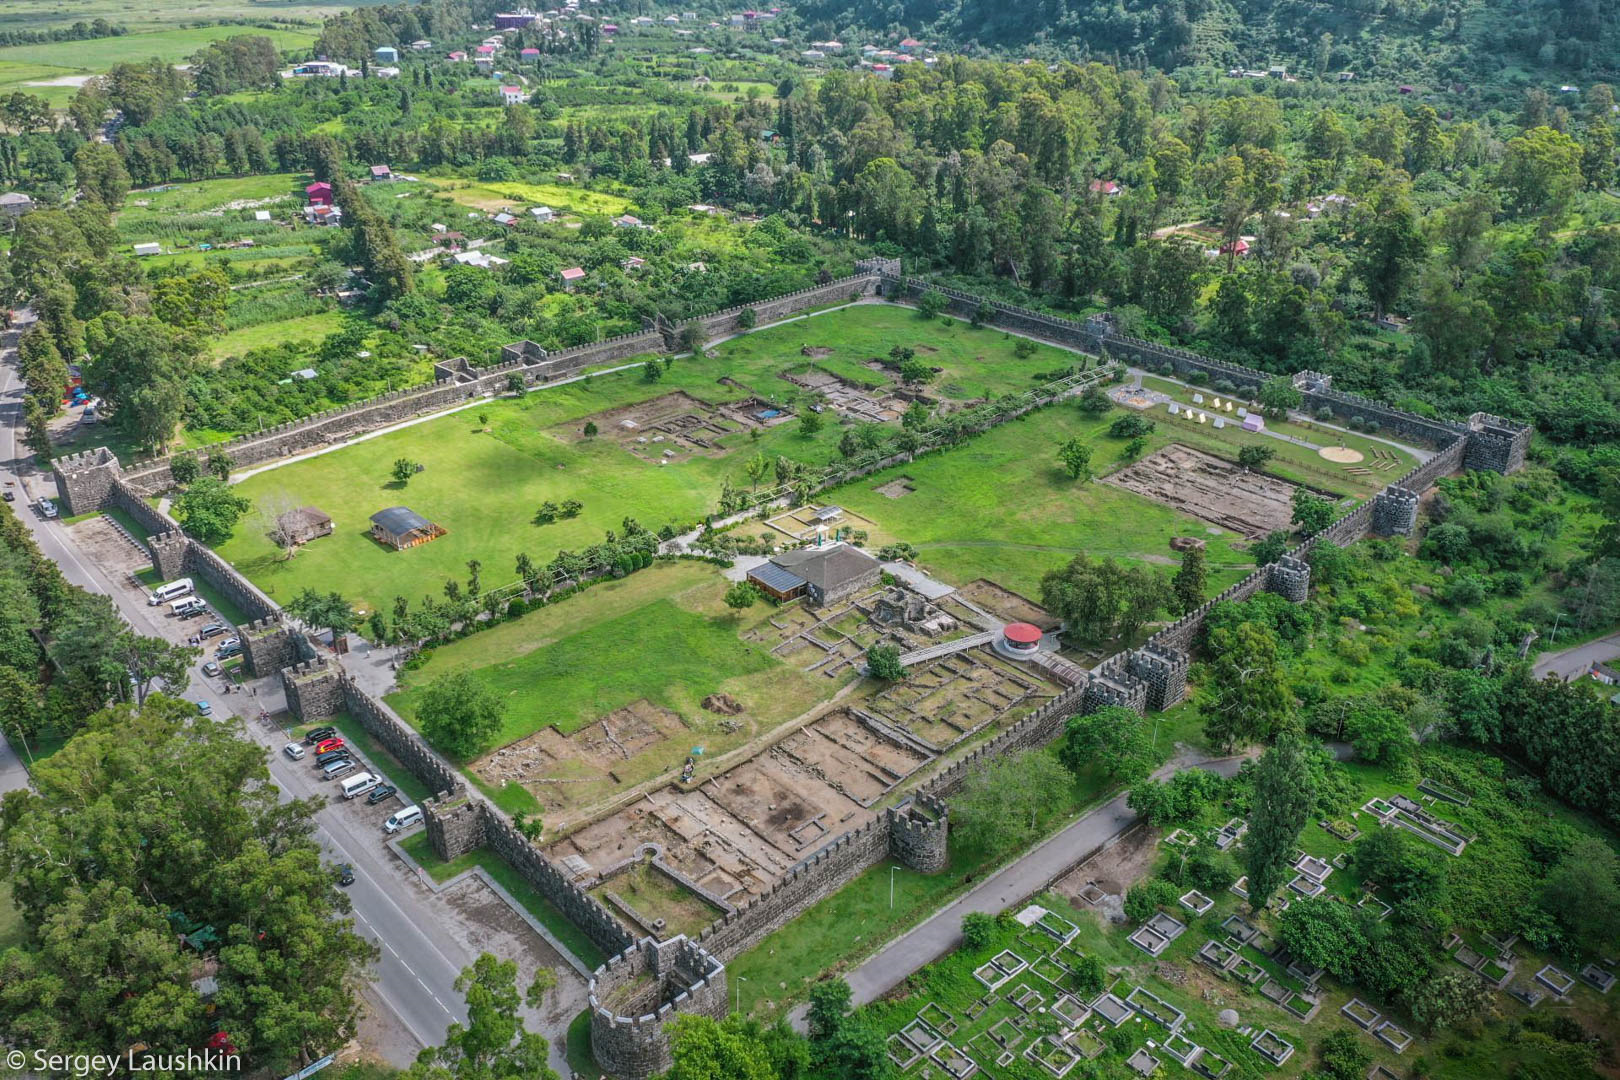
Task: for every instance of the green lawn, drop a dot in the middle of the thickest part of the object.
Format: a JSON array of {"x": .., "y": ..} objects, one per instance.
[
  {"x": 1002, "y": 507},
  {"x": 662, "y": 634},
  {"x": 544, "y": 911},
  {"x": 308, "y": 328},
  {"x": 483, "y": 485},
  {"x": 99, "y": 54}
]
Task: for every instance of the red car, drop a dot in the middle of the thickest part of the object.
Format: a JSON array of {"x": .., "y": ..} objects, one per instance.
[{"x": 329, "y": 744}]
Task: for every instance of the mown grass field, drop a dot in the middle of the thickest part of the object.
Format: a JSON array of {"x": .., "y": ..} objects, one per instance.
[
  {"x": 159, "y": 14},
  {"x": 520, "y": 196},
  {"x": 662, "y": 634},
  {"x": 1002, "y": 507},
  {"x": 483, "y": 485},
  {"x": 23, "y": 65}
]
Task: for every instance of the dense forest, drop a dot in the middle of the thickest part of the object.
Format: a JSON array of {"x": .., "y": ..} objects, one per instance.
[
  {"x": 1446, "y": 250},
  {"x": 1451, "y": 41}
]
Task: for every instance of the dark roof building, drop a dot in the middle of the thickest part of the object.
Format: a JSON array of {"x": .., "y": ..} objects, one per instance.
[
  {"x": 401, "y": 527},
  {"x": 823, "y": 575}
]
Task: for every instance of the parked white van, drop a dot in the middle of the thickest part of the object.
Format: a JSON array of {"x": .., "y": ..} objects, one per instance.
[
  {"x": 358, "y": 785},
  {"x": 404, "y": 819},
  {"x": 187, "y": 605},
  {"x": 174, "y": 590}
]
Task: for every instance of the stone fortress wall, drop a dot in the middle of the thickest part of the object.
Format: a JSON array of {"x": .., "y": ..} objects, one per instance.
[{"x": 631, "y": 1044}]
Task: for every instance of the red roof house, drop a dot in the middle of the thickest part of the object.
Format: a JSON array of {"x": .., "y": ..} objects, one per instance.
[{"x": 318, "y": 194}]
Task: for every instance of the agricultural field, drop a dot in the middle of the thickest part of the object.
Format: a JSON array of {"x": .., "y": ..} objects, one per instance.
[
  {"x": 55, "y": 70},
  {"x": 161, "y": 14},
  {"x": 501, "y": 195}
]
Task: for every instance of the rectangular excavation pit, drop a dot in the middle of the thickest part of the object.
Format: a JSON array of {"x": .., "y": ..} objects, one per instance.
[{"x": 1211, "y": 489}]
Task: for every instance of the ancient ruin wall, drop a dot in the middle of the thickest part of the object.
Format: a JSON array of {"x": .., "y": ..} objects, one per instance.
[
  {"x": 460, "y": 382},
  {"x": 806, "y": 882},
  {"x": 399, "y": 738},
  {"x": 637, "y": 993},
  {"x": 605, "y": 931}
]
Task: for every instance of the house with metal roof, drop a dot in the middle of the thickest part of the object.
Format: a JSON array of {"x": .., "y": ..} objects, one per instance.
[
  {"x": 822, "y": 575},
  {"x": 400, "y": 527}
]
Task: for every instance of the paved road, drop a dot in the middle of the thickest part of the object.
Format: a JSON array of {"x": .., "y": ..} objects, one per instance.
[
  {"x": 1014, "y": 884},
  {"x": 1577, "y": 660},
  {"x": 415, "y": 976}
]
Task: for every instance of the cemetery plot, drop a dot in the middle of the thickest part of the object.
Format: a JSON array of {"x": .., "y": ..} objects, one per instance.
[
  {"x": 999, "y": 969},
  {"x": 1274, "y": 1048},
  {"x": 1155, "y": 1008},
  {"x": 1211, "y": 489},
  {"x": 1230, "y": 833},
  {"x": 1155, "y": 935},
  {"x": 1196, "y": 902},
  {"x": 1142, "y": 1063},
  {"x": 1600, "y": 979},
  {"x": 1557, "y": 980},
  {"x": 1403, "y": 813},
  {"x": 1393, "y": 1037}
]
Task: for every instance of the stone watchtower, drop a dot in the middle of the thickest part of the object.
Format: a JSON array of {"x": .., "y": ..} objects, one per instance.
[
  {"x": 1164, "y": 670},
  {"x": 917, "y": 834},
  {"x": 1289, "y": 578},
  {"x": 1394, "y": 512},
  {"x": 637, "y": 993},
  {"x": 1496, "y": 444},
  {"x": 84, "y": 481}
]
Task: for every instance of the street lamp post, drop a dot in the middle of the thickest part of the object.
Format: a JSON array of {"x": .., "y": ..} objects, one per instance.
[
  {"x": 892, "y": 869},
  {"x": 1554, "y": 635},
  {"x": 737, "y": 995}
]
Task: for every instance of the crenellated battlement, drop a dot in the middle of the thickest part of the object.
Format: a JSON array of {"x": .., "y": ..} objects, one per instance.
[{"x": 638, "y": 992}]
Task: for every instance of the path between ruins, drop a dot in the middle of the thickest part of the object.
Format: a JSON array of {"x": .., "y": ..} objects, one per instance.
[{"x": 1010, "y": 885}]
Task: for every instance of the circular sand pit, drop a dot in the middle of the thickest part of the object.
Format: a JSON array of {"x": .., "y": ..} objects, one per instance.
[{"x": 1343, "y": 455}]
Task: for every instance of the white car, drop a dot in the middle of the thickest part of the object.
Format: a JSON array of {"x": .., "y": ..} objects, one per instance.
[
  {"x": 294, "y": 751},
  {"x": 47, "y": 509}
]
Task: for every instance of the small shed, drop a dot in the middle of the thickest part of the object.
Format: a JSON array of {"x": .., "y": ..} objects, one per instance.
[
  {"x": 381, "y": 172},
  {"x": 152, "y": 248},
  {"x": 1254, "y": 422},
  {"x": 386, "y": 54},
  {"x": 400, "y": 527},
  {"x": 303, "y": 525},
  {"x": 318, "y": 194}
]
